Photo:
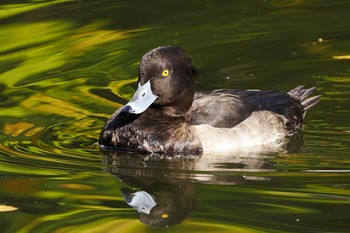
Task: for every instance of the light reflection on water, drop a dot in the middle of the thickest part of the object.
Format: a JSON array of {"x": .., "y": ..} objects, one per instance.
[{"x": 65, "y": 66}]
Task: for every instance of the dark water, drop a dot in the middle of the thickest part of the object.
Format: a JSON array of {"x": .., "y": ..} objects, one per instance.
[{"x": 66, "y": 65}]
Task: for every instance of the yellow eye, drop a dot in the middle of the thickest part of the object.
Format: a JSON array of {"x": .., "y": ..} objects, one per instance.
[
  {"x": 165, "y": 216},
  {"x": 165, "y": 73}
]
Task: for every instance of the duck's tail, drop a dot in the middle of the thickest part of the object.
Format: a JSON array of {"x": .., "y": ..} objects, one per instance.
[{"x": 303, "y": 95}]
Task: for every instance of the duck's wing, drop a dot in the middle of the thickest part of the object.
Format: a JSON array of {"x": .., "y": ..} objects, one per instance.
[
  {"x": 219, "y": 109},
  {"x": 227, "y": 108}
]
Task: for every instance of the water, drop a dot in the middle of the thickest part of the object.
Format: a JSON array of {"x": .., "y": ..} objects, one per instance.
[{"x": 66, "y": 65}]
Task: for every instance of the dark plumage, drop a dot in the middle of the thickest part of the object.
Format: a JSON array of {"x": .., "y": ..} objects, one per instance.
[{"x": 166, "y": 116}]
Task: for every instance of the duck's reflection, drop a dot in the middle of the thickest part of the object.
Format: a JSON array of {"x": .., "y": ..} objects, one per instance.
[
  {"x": 163, "y": 188},
  {"x": 161, "y": 197},
  {"x": 161, "y": 204}
]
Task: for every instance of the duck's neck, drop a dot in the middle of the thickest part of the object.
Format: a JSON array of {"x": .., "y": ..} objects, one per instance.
[
  {"x": 180, "y": 106},
  {"x": 168, "y": 112}
]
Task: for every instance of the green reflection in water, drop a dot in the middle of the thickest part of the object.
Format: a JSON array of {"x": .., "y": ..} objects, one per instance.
[
  {"x": 14, "y": 9},
  {"x": 43, "y": 95},
  {"x": 53, "y": 45}
]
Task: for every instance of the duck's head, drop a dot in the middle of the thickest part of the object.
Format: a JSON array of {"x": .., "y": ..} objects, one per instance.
[{"x": 165, "y": 81}]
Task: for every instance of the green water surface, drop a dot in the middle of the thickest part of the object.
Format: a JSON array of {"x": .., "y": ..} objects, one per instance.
[{"x": 66, "y": 65}]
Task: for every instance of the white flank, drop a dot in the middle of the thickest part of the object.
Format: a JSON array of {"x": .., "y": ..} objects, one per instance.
[{"x": 261, "y": 129}]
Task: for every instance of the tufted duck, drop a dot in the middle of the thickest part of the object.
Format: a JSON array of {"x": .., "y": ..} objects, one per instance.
[{"x": 165, "y": 115}]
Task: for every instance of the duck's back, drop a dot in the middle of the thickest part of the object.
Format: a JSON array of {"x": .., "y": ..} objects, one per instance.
[{"x": 227, "y": 108}]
